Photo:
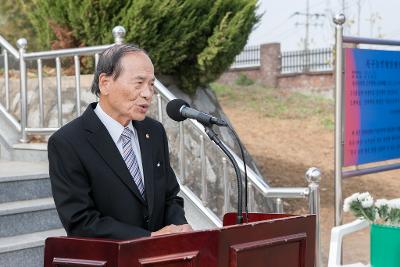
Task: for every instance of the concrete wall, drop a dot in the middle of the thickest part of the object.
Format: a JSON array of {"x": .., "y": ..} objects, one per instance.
[{"x": 50, "y": 102}]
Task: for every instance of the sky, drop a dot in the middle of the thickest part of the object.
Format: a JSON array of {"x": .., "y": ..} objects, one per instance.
[{"x": 378, "y": 19}]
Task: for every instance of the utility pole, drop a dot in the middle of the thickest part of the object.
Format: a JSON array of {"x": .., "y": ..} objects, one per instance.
[
  {"x": 343, "y": 6},
  {"x": 345, "y": 15},
  {"x": 307, "y": 24},
  {"x": 358, "y": 17}
]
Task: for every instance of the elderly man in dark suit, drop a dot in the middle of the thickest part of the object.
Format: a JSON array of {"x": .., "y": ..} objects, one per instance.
[{"x": 109, "y": 169}]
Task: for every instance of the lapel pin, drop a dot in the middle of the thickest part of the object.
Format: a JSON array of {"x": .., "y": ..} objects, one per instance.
[{"x": 147, "y": 136}]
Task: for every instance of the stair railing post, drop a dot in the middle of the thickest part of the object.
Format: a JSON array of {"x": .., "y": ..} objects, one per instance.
[
  {"x": 252, "y": 201},
  {"x": 313, "y": 177},
  {"x": 226, "y": 185},
  {"x": 6, "y": 79},
  {"x": 181, "y": 156},
  {"x": 22, "y": 44},
  {"x": 339, "y": 20},
  {"x": 159, "y": 108},
  {"x": 279, "y": 205},
  {"x": 119, "y": 33},
  {"x": 203, "y": 171}
]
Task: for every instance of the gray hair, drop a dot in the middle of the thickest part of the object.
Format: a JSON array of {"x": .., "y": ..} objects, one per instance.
[{"x": 110, "y": 63}]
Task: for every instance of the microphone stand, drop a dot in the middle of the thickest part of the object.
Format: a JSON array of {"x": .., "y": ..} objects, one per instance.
[{"x": 214, "y": 137}]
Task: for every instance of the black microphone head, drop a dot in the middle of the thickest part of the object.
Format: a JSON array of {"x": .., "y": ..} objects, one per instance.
[{"x": 174, "y": 107}]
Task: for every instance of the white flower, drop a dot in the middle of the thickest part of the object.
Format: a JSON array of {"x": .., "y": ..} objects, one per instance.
[
  {"x": 363, "y": 196},
  {"x": 365, "y": 199},
  {"x": 382, "y": 211},
  {"x": 394, "y": 203},
  {"x": 354, "y": 196},
  {"x": 381, "y": 202},
  {"x": 349, "y": 200},
  {"x": 367, "y": 203}
]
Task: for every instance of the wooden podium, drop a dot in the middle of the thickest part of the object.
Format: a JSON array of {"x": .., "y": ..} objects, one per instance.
[{"x": 267, "y": 240}]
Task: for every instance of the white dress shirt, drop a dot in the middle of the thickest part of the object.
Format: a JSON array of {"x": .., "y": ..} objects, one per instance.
[{"x": 115, "y": 129}]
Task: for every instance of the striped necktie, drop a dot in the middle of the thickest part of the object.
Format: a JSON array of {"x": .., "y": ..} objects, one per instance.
[{"x": 131, "y": 160}]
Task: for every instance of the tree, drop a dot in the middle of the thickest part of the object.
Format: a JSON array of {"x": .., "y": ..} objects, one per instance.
[
  {"x": 193, "y": 40},
  {"x": 14, "y": 23}
]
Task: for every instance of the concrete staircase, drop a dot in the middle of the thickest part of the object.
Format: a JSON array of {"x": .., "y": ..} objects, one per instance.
[{"x": 27, "y": 213}]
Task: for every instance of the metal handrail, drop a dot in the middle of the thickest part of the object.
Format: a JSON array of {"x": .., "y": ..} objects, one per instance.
[
  {"x": 257, "y": 181},
  {"x": 10, "y": 118},
  {"x": 6, "y": 45},
  {"x": 7, "y": 48},
  {"x": 371, "y": 41},
  {"x": 81, "y": 51}
]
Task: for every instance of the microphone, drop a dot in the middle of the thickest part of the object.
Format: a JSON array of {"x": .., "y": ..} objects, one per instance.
[{"x": 179, "y": 110}]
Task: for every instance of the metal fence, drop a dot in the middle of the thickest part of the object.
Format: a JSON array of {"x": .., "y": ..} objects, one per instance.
[
  {"x": 303, "y": 61},
  {"x": 248, "y": 58}
]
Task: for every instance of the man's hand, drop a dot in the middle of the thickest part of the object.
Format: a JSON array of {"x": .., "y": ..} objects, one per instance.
[
  {"x": 173, "y": 229},
  {"x": 186, "y": 228}
]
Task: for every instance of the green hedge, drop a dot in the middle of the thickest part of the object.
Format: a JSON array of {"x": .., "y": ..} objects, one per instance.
[{"x": 193, "y": 40}]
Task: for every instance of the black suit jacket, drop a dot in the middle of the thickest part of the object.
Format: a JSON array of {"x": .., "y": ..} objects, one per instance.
[{"x": 94, "y": 192}]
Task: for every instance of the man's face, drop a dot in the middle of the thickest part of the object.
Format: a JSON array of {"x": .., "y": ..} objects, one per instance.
[{"x": 129, "y": 96}]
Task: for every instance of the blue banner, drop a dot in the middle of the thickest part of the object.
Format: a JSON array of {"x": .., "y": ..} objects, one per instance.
[{"x": 372, "y": 106}]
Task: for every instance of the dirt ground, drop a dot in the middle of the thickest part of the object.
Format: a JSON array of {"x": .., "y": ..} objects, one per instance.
[{"x": 285, "y": 148}]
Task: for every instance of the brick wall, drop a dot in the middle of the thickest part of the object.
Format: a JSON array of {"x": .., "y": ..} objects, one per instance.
[
  {"x": 318, "y": 81},
  {"x": 270, "y": 75},
  {"x": 230, "y": 76}
]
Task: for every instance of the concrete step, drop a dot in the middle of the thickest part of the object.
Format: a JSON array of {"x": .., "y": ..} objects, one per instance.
[
  {"x": 10, "y": 148},
  {"x": 28, "y": 216},
  {"x": 25, "y": 250},
  {"x": 24, "y": 188},
  {"x": 23, "y": 181},
  {"x": 25, "y": 152},
  {"x": 22, "y": 168}
]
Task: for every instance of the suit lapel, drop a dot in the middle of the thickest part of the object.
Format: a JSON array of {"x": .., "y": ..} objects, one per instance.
[
  {"x": 102, "y": 142},
  {"x": 145, "y": 136}
]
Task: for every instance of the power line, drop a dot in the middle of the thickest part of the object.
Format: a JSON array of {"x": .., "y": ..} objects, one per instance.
[
  {"x": 280, "y": 24},
  {"x": 287, "y": 33},
  {"x": 283, "y": 35},
  {"x": 307, "y": 24}
]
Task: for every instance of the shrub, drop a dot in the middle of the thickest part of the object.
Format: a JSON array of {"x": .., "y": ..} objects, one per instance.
[
  {"x": 193, "y": 40},
  {"x": 14, "y": 23},
  {"x": 243, "y": 80}
]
